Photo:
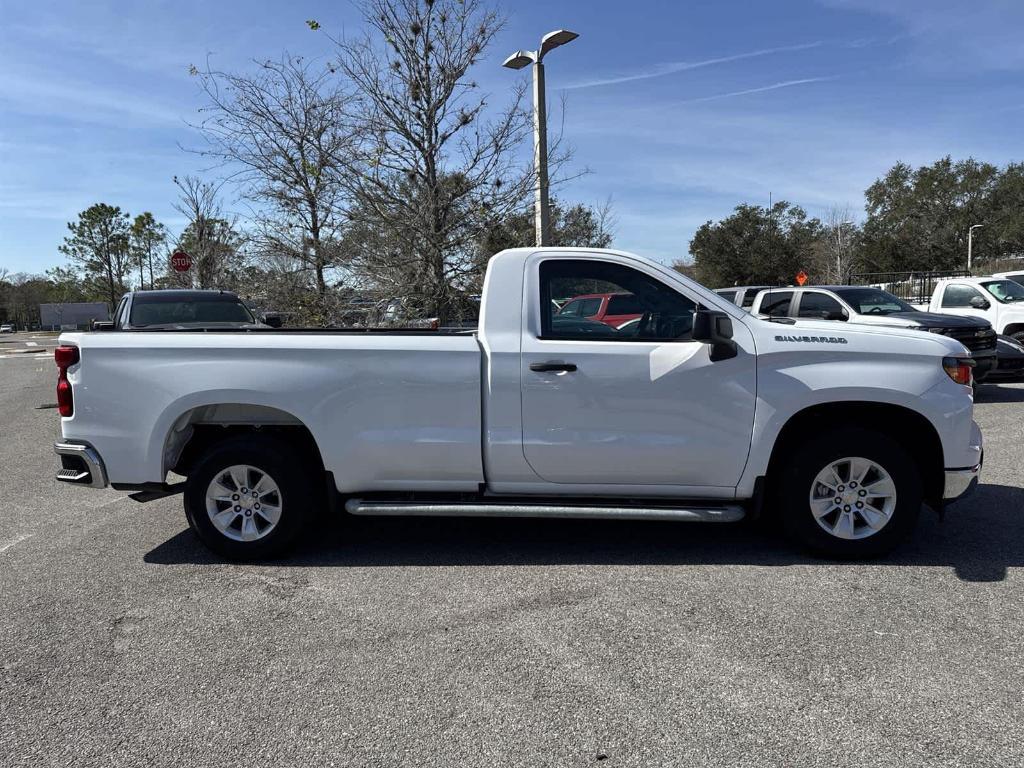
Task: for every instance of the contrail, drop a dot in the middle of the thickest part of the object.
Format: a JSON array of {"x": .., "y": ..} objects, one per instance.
[
  {"x": 773, "y": 87},
  {"x": 681, "y": 66}
]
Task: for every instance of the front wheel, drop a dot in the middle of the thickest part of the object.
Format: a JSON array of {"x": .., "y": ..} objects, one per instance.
[
  {"x": 851, "y": 493},
  {"x": 249, "y": 497}
]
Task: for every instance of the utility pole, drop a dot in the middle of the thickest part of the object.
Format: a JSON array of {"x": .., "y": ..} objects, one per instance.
[
  {"x": 970, "y": 243},
  {"x": 518, "y": 60}
]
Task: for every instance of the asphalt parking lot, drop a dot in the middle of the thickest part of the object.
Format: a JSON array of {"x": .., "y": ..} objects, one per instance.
[
  {"x": 484, "y": 642},
  {"x": 27, "y": 343}
]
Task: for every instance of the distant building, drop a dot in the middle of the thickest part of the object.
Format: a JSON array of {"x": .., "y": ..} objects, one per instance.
[{"x": 54, "y": 317}]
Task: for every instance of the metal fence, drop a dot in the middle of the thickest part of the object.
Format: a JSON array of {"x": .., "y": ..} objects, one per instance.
[{"x": 913, "y": 287}]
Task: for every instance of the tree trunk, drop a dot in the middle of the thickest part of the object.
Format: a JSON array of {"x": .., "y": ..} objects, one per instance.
[{"x": 110, "y": 279}]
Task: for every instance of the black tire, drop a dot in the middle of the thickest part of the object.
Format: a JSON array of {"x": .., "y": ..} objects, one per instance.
[
  {"x": 1019, "y": 336},
  {"x": 277, "y": 458},
  {"x": 792, "y": 488}
]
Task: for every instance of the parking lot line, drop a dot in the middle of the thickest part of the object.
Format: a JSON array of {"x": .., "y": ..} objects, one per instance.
[{"x": 15, "y": 541}]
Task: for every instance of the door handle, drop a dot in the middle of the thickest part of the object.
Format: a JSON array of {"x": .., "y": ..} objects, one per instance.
[{"x": 553, "y": 367}]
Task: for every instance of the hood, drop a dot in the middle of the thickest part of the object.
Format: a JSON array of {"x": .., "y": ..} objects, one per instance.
[
  {"x": 936, "y": 320},
  {"x": 850, "y": 330}
]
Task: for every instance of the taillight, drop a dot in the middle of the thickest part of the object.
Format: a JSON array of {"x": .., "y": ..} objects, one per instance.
[
  {"x": 65, "y": 357},
  {"x": 959, "y": 369}
]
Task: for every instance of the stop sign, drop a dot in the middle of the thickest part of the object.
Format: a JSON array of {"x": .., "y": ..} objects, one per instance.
[{"x": 181, "y": 261}]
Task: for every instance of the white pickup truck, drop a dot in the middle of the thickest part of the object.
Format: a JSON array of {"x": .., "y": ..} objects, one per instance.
[
  {"x": 1000, "y": 301},
  {"x": 698, "y": 412}
]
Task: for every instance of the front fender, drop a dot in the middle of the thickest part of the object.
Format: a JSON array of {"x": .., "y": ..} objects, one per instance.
[{"x": 791, "y": 382}]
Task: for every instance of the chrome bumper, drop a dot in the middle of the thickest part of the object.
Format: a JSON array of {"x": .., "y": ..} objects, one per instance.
[
  {"x": 961, "y": 482},
  {"x": 80, "y": 464}
]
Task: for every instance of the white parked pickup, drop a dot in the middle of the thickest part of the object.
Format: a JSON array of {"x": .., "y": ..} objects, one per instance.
[
  {"x": 698, "y": 411},
  {"x": 996, "y": 299}
]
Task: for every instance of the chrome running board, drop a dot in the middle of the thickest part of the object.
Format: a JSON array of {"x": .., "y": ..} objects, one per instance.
[{"x": 690, "y": 514}]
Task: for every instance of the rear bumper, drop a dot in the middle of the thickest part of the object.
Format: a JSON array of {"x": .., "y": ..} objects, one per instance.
[{"x": 80, "y": 464}]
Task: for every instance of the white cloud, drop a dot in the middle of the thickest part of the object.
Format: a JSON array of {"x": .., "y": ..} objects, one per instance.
[
  {"x": 83, "y": 101},
  {"x": 954, "y": 34}
]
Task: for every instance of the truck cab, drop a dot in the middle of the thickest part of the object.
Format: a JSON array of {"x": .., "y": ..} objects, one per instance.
[
  {"x": 998, "y": 301},
  {"x": 180, "y": 308},
  {"x": 742, "y": 295}
]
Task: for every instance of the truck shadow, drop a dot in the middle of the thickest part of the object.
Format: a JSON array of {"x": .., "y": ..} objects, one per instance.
[{"x": 980, "y": 538}]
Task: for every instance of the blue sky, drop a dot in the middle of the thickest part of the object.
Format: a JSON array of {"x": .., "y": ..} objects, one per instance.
[{"x": 680, "y": 110}]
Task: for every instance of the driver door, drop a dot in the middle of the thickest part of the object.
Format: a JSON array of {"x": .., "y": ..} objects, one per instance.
[{"x": 640, "y": 405}]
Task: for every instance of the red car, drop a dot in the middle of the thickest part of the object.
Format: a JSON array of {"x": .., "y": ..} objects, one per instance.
[{"x": 612, "y": 309}]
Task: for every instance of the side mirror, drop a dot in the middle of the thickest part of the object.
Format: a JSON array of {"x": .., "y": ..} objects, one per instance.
[
  {"x": 103, "y": 325},
  {"x": 834, "y": 316},
  {"x": 980, "y": 302},
  {"x": 714, "y": 328},
  {"x": 274, "y": 321}
]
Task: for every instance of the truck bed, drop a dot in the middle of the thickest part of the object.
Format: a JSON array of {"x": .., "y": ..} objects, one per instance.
[{"x": 389, "y": 410}]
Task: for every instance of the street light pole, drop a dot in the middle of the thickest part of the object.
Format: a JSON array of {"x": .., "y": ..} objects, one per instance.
[
  {"x": 970, "y": 243},
  {"x": 541, "y": 208},
  {"x": 518, "y": 60}
]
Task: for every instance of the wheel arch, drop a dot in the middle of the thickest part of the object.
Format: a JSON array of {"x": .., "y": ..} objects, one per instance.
[
  {"x": 1013, "y": 328},
  {"x": 909, "y": 428},
  {"x": 198, "y": 428}
]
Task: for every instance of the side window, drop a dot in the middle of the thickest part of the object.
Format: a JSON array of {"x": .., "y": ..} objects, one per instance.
[
  {"x": 818, "y": 305},
  {"x": 572, "y": 308},
  {"x": 662, "y": 314},
  {"x": 590, "y": 307},
  {"x": 748, "y": 299},
  {"x": 958, "y": 296},
  {"x": 1016, "y": 278},
  {"x": 776, "y": 303},
  {"x": 625, "y": 304},
  {"x": 728, "y": 295}
]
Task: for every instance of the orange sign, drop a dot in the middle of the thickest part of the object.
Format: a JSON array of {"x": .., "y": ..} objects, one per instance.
[{"x": 801, "y": 277}]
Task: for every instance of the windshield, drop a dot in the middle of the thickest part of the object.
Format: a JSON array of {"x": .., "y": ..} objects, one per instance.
[
  {"x": 188, "y": 311},
  {"x": 873, "y": 301},
  {"x": 1006, "y": 291}
]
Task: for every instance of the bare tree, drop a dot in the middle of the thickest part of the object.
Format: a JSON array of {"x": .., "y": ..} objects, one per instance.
[
  {"x": 210, "y": 238},
  {"x": 283, "y": 131},
  {"x": 433, "y": 171},
  {"x": 839, "y": 244}
]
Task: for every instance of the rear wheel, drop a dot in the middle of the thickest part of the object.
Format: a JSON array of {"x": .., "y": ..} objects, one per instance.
[
  {"x": 248, "y": 497},
  {"x": 851, "y": 493}
]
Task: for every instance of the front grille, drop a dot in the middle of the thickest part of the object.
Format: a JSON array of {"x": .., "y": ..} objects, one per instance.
[{"x": 976, "y": 340}]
